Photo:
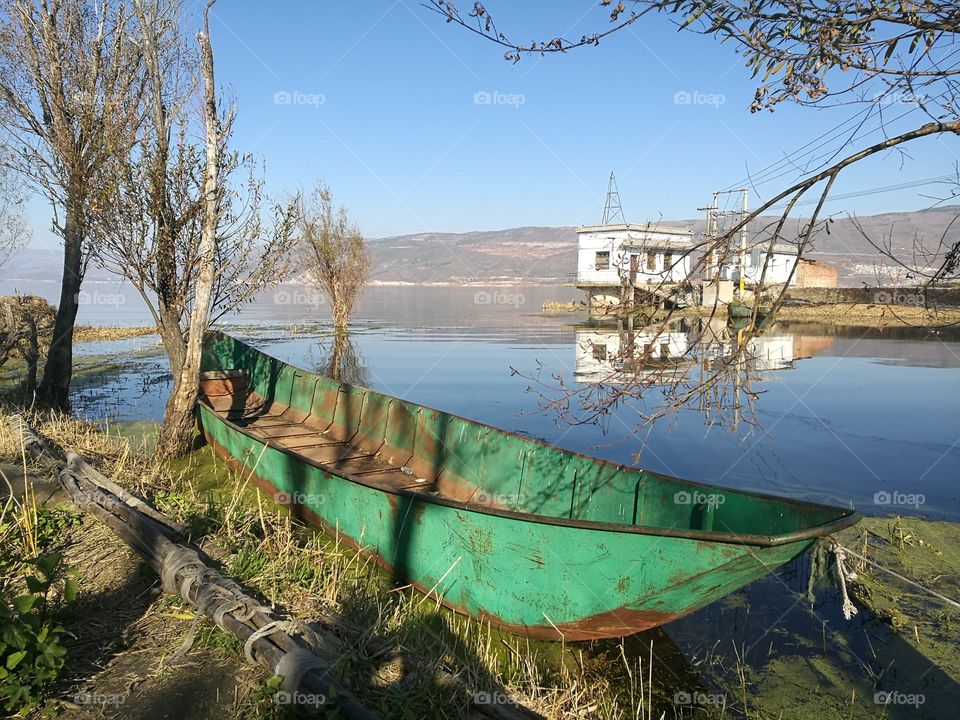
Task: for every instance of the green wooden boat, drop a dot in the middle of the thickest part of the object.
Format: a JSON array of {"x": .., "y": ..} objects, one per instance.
[{"x": 533, "y": 539}]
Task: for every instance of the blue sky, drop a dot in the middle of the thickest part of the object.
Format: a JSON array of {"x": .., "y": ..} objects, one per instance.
[{"x": 381, "y": 102}]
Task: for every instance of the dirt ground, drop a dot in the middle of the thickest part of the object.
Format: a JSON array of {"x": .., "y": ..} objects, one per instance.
[{"x": 134, "y": 653}]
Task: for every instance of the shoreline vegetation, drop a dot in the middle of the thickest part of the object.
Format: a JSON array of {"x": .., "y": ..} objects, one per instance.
[
  {"x": 842, "y": 314},
  {"x": 91, "y": 333},
  {"x": 119, "y": 624}
]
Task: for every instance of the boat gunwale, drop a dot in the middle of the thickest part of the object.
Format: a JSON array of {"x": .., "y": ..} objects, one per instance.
[{"x": 845, "y": 519}]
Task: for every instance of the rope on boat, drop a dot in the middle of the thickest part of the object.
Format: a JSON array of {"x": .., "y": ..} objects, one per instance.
[
  {"x": 849, "y": 609},
  {"x": 837, "y": 547}
]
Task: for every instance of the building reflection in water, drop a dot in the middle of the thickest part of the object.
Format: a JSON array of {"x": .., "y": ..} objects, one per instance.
[{"x": 704, "y": 363}]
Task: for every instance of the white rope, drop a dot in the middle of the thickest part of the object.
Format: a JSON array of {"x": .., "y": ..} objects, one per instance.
[
  {"x": 914, "y": 583},
  {"x": 269, "y": 629},
  {"x": 849, "y": 609}
]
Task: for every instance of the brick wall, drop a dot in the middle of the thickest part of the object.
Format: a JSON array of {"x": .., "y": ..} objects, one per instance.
[{"x": 816, "y": 275}]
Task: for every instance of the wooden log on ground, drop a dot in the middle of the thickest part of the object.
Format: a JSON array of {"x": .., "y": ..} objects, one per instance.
[{"x": 305, "y": 653}]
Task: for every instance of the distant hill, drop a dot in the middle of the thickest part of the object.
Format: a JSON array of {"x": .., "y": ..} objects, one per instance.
[
  {"x": 548, "y": 254},
  {"x": 527, "y": 254}
]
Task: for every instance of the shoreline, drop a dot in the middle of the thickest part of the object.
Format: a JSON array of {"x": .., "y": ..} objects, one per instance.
[{"x": 837, "y": 314}]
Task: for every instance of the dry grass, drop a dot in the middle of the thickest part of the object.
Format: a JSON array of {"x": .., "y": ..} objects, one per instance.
[
  {"x": 564, "y": 306},
  {"x": 880, "y": 316},
  {"x": 87, "y": 333},
  {"x": 312, "y": 576}
]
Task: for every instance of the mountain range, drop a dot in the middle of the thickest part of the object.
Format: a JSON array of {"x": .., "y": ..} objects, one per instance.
[{"x": 548, "y": 254}]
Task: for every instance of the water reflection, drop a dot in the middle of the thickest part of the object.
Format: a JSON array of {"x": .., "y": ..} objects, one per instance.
[
  {"x": 706, "y": 363},
  {"x": 340, "y": 360},
  {"x": 845, "y": 412}
]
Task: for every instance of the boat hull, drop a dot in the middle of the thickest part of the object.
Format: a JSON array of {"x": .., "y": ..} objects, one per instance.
[{"x": 550, "y": 580}]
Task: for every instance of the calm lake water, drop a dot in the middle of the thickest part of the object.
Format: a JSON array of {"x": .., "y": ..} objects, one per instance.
[
  {"x": 840, "y": 415},
  {"x": 845, "y": 416}
]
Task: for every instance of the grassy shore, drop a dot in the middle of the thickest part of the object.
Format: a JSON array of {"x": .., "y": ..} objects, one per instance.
[
  {"x": 124, "y": 627},
  {"x": 89, "y": 333},
  {"x": 129, "y": 640},
  {"x": 839, "y": 314},
  {"x": 864, "y": 315}
]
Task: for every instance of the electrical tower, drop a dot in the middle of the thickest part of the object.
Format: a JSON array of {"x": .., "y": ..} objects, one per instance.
[
  {"x": 717, "y": 220},
  {"x": 612, "y": 209}
]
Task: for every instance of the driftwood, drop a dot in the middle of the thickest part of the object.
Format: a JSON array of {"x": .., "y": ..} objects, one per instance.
[{"x": 305, "y": 653}]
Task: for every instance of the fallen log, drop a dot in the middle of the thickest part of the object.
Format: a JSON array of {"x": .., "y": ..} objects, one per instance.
[{"x": 304, "y": 653}]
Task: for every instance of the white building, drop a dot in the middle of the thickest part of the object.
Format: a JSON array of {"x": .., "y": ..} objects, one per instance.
[
  {"x": 779, "y": 267},
  {"x": 612, "y": 259}
]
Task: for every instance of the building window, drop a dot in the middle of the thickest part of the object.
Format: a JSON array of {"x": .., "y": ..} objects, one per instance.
[
  {"x": 667, "y": 260},
  {"x": 599, "y": 352},
  {"x": 603, "y": 261},
  {"x": 651, "y": 260}
]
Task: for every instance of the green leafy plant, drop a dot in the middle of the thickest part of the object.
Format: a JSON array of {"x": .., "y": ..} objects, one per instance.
[{"x": 31, "y": 649}]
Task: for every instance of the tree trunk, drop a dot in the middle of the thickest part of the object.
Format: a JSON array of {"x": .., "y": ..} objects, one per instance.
[
  {"x": 31, "y": 354},
  {"x": 176, "y": 435},
  {"x": 171, "y": 335},
  {"x": 55, "y": 389}
]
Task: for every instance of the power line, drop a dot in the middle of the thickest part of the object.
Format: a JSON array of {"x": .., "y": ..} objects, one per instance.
[
  {"x": 778, "y": 169},
  {"x": 874, "y": 191}
]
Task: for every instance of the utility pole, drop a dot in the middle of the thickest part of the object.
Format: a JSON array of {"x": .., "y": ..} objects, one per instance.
[
  {"x": 714, "y": 230},
  {"x": 713, "y": 212},
  {"x": 743, "y": 239}
]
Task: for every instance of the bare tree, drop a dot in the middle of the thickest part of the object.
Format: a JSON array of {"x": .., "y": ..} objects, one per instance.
[
  {"x": 334, "y": 253},
  {"x": 177, "y": 433},
  {"x": 69, "y": 102},
  {"x": 865, "y": 55},
  {"x": 13, "y": 228},
  {"x": 155, "y": 230}
]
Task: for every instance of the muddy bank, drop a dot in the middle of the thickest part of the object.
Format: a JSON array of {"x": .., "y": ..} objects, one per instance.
[
  {"x": 871, "y": 315},
  {"x": 838, "y": 314}
]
